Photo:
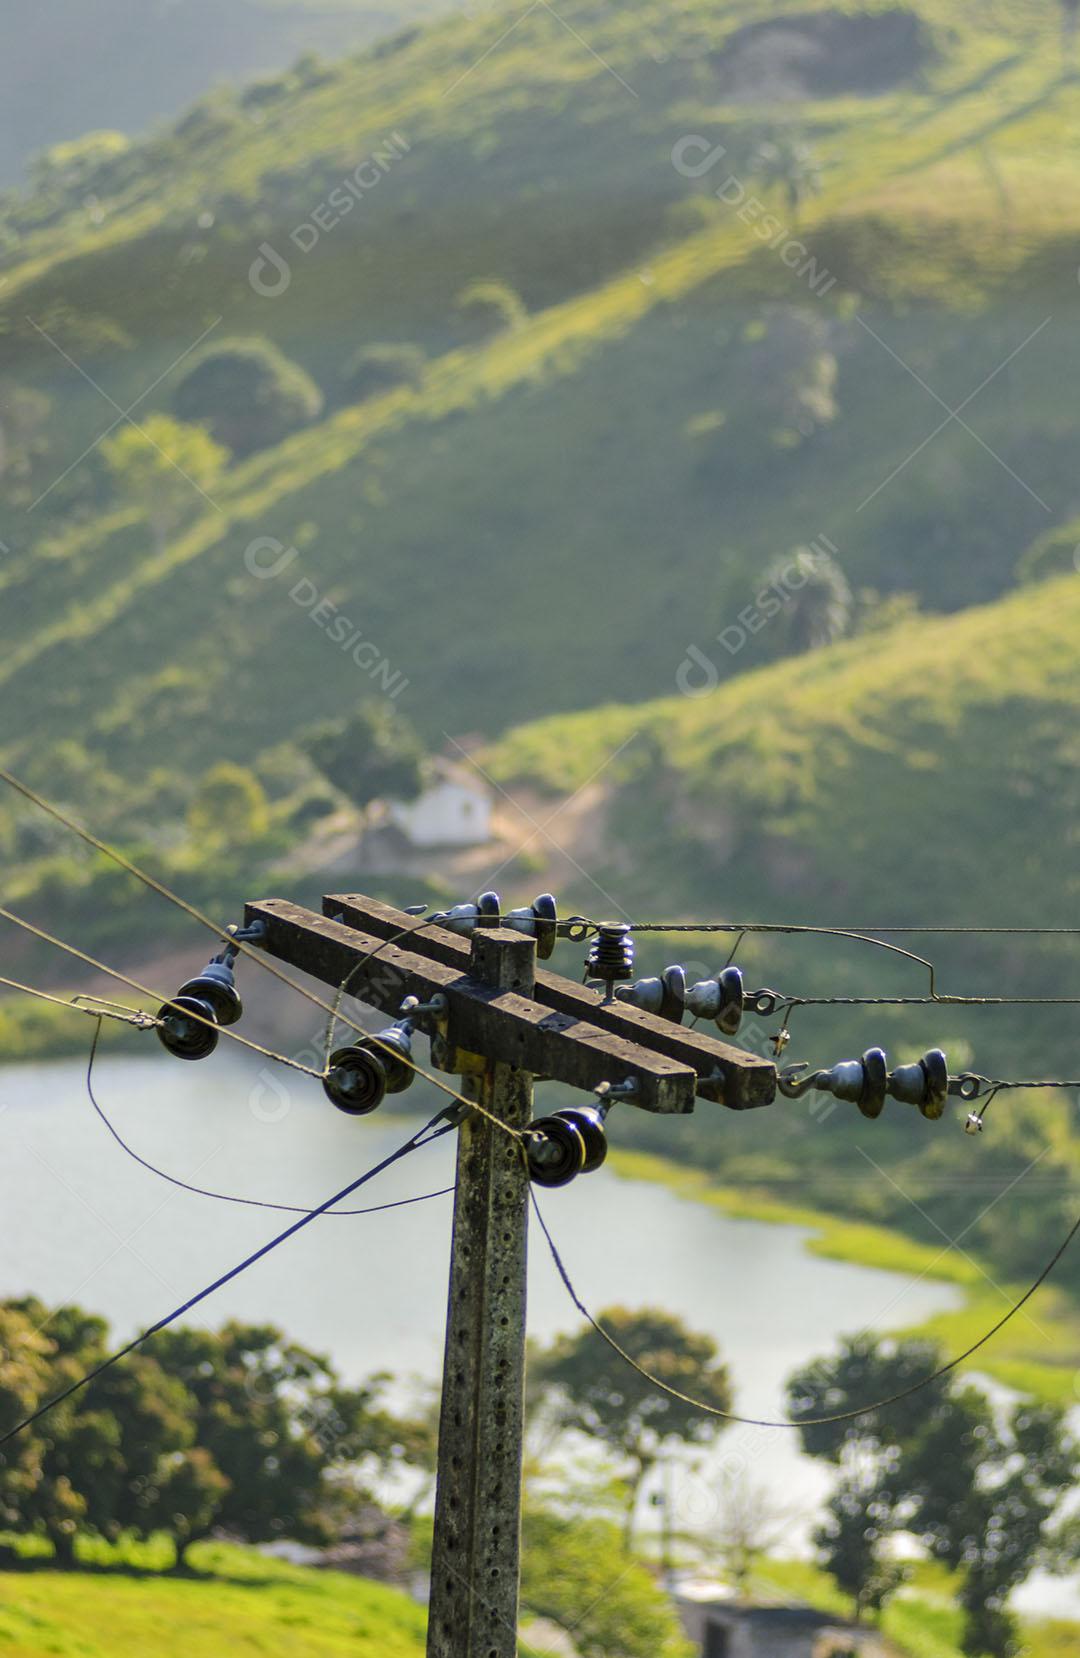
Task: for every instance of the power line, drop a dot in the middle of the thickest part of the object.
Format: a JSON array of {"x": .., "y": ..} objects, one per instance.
[
  {"x": 425, "y": 1136},
  {"x": 96, "y": 1006},
  {"x": 226, "y": 1197},
  {"x": 806, "y": 1421},
  {"x": 225, "y": 1030}
]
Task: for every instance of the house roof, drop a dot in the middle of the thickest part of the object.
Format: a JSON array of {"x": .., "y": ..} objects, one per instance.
[{"x": 778, "y": 1618}]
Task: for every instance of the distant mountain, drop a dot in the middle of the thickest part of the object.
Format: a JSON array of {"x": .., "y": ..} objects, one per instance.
[{"x": 68, "y": 67}]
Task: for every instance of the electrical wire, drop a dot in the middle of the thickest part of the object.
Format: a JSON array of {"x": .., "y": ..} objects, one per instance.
[
  {"x": 257, "y": 1047},
  {"x": 96, "y": 1008},
  {"x": 424, "y": 1136},
  {"x": 806, "y": 1421},
  {"x": 144, "y": 990},
  {"x": 869, "y": 933},
  {"x": 241, "y": 946},
  {"x": 228, "y": 1197}
]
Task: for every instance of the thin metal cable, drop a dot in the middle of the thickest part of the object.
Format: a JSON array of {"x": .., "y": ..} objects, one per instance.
[
  {"x": 940, "y": 1000},
  {"x": 228, "y": 1197},
  {"x": 241, "y": 946},
  {"x": 257, "y": 1047},
  {"x": 425, "y": 1136},
  {"x": 144, "y": 990},
  {"x": 99, "y": 1009},
  {"x": 806, "y": 1421}
]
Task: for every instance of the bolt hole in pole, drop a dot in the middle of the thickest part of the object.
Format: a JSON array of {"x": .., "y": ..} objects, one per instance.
[{"x": 474, "y": 1607}]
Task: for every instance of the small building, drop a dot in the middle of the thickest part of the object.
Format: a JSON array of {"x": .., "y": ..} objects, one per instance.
[
  {"x": 724, "y": 1628},
  {"x": 454, "y": 810}
]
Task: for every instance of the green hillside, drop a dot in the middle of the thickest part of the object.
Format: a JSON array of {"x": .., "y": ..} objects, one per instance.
[
  {"x": 925, "y": 776},
  {"x": 928, "y": 776},
  {"x": 243, "y": 1603},
  {"x": 676, "y": 401},
  {"x": 125, "y": 65}
]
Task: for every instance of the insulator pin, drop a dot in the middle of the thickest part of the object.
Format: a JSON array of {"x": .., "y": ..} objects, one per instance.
[
  {"x": 868, "y": 1082},
  {"x": 188, "y": 1028},
  {"x": 665, "y": 996},
  {"x": 539, "y": 920},
  {"x": 566, "y": 1144},
  {"x": 210, "y": 996},
  {"x": 611, "y": 956},
  {"x": 359, "y": 1077}
]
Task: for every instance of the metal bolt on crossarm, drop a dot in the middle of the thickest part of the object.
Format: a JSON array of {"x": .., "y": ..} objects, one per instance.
[{"x": 498, "y": 1022}]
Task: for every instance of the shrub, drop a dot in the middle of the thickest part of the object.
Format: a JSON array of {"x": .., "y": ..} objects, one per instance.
[
  {"x": 378, "y": 368},
  {"x": 248, "y": 393}
]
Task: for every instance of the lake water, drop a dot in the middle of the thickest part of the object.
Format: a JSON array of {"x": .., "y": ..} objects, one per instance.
[{"x": 87, "y": 1224}]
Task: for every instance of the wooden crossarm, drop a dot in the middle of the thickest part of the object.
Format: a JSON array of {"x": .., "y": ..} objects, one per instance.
[
  {"x": 726, "y": 1075},
  {"x": 499, "y": 1024}
]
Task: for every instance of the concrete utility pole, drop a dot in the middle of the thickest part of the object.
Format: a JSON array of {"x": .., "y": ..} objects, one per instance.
[{"x": 501, "y": 1023}]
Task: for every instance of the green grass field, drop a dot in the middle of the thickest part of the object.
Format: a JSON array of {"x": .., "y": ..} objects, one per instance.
[{"x": 236, "y": 1601}]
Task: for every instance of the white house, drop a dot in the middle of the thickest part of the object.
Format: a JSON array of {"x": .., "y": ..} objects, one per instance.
[{"x": 454, "y": 810}]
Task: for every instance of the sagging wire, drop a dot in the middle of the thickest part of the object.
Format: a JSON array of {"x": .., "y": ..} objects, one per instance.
[
  {"x": 228, "y": 1197},
  {"x": 98, "y": 1007},
  {"x": 805, "y": 1421},
  {"x": 433, "y": 1130},
  {"x": 144, "y": 990},
  {"x": 241, "y": 946},
  {"x": 247, "y": 1042}
]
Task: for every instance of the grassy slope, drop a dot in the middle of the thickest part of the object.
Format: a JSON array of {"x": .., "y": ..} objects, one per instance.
[
  {"x": 248, "y": 1604},
  {"x": 507, "y": 484},
  {"x": 858, "y": 787}
]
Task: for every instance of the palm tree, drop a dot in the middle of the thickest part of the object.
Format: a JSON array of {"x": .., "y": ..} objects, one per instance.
[
  {"x": 785, "y": 161},
  {"x": 818, "y": 601}
]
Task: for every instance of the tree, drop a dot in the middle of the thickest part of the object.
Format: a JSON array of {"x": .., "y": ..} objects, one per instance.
[
  {"x": 785, "y": 372},
  {"x": 229, "y": 805},
  {"x": 375, "y": 754},
  {"x": 23, "y": 416},
  {"x": 858, "y": 1519},
  {"x": 165, "y": 469},
  {"x": 379, "y": 368},
  {"x": 786, "y": 162},
  {"x": 488, "y": 307},
  {"x": 978, "y": 1493},
  {"x": 248, "y": 393},
  {"x": 750, "y": 1524},
  {"x": 1070, "y": 16},
  {"x": 276, "y": 1422},
  {"x": 594, "y": 1391},
  {"x": 100, "y": 1460},
  {"x": 984, "y": 1495},
  {"x": 862, "y": 1511},
  {"x": 818, "y": 602},
  {"x": 575, "y": 1573}
]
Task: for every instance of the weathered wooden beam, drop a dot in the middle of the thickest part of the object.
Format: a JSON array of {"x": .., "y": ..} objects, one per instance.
[
  {"x": 499, "y": 1024},
  {"x": 726, "y": 1075}
]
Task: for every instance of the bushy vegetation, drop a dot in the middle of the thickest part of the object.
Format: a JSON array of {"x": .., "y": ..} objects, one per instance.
[{"x": 248, "y": 393}]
